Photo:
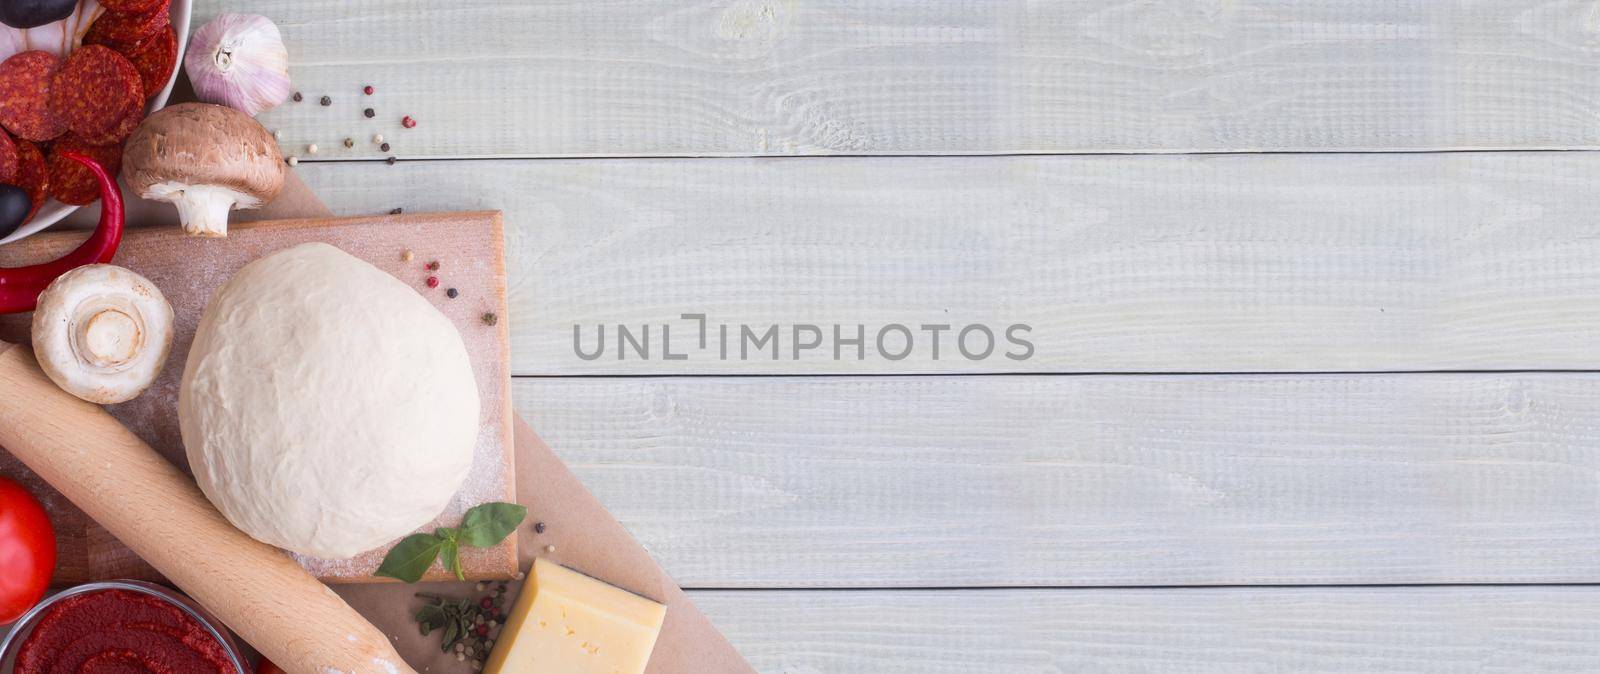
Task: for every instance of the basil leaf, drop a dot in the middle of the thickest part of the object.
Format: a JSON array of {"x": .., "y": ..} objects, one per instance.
[
  {"x": 452, "y": 558},
  {"x": 410, "y": 558},
  {"x": 484, "y": 526}
]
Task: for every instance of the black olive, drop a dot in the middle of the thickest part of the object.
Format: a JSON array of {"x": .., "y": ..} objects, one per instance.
[
  {"x": 14, "y": 207},
  {"x": 34, "y": 13}
]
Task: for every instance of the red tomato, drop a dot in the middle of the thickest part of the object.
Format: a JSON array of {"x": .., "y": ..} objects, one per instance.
[
  {"x": 266, "y": 667},
  {"x": 27, "y": 551}
]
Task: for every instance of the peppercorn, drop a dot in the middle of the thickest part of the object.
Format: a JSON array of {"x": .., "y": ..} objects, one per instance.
[
  {"x": 486, "y": 603},
  {"x": 391, "y": 160},
  {"x": 384, "y": 147},
  {"x": 452, "y": 293},
  {"x": 311, "y": 149},
  {"x": 367, "y": 90},
  {"x": 377, "y": 138},
  {"x": 482, "y": 630},
  {"x": 538, "y": 527},
  {"x": 406, "y": 256},
  {"x": 326, "y": 101},
  {"x": 395, "y": 211},
  {"x": 298, "y": 97},
  {"x": 292, "y": 160},
  {"x": 550, "y": 549},
  {"x": 433, "y": 266},
  {"x": 433, "y": 281},
  {"x": 408, "y": 122},
  {"x": 490, "y": 319},
  {"x": 370, "y": 113},
  {"x": 349, "y": 142}
]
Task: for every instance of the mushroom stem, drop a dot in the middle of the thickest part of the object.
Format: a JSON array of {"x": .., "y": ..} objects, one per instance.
[{"x": 203, "y": 209}]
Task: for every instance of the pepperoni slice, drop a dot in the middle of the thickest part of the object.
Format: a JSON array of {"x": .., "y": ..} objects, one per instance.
[
  {"x": 32, "y": 176},
  {"x": 132, "y": 6},
  {"x": 25, "y": 95},
  {"x": 71, "y": 182},
  {"x": 8, "y": 159},
  {"x": 127, "y": 28},
  {"x": 154, "y": 58},
  {"x": 94, "y": 89},
  {"x": 119, "y": 131}
]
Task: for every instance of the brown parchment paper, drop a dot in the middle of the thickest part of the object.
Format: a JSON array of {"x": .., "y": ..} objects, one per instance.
[{"x": 587, "y": 539}]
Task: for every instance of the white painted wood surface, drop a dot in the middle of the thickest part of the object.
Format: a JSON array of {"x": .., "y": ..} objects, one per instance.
[
  {"x": 1155, "y": 264},
  {"x": 1091, "y": 481},
  {"x": 1237, "y": 630},
  {"x": 758, "y": 77},
  {"x": 1247, "y": 263}
]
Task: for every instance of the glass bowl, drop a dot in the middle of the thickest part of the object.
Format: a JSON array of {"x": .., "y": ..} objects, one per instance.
[{"x": 24, "y": 625}]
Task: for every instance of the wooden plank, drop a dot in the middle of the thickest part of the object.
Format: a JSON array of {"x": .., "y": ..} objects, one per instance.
[
  {"x": 190, "y": 269},
  {"x": 1220, "y": 263},
  {"x": 1091, "y": 481},
  {"x": 1442, "y": 629},
  {"x": 787, "y": 77}
]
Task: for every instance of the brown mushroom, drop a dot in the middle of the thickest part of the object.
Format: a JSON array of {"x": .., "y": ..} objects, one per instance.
[{"x": 206, "y": 159}]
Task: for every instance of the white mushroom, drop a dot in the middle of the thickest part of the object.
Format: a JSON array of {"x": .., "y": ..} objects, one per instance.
[
  {"x": 102, "y": 333},
  {"x": 206, "y": 159}
]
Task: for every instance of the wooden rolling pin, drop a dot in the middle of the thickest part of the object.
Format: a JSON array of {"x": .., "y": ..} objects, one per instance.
[{"x": 159, "y": 512}]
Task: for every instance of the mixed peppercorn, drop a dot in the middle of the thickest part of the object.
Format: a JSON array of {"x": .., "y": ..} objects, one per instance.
[{"x": 406, "y": 121}]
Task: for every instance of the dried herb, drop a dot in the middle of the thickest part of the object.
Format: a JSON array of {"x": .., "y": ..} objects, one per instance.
[
  {"x": 454, "y": 616},
  {"x": 483, "y": 526}
]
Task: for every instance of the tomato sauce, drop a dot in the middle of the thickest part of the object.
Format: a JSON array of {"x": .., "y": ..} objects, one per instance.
[{"x": 116, "y": 631}]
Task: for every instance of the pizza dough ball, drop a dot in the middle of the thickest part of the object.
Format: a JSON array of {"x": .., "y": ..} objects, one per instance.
[{"x": 326, "y": 407}]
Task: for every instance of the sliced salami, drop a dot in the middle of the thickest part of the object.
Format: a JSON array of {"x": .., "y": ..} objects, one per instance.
[
  {"x": 132, "y": 6},
  {"x": 25, "y": 96},
  {"x": 8, "y": 159},
  {"x": 115, "y": 29},
  {"x": 32, "y": 176},
  {"x": 94, "y": 89},
  {"x": 154, "y": 58},
  {"x": 72, "y": 183},
  {"x": 119, "y": 131}
]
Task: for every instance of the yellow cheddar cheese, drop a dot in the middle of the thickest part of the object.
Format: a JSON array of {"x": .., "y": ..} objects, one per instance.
[{"x": 567, "y": 623}]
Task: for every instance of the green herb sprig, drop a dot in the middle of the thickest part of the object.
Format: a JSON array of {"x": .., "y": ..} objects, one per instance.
[{"x": 483, "y": 526}]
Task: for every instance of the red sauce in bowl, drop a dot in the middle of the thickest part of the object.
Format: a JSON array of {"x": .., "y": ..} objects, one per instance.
[{"x": 117, "y": 631}]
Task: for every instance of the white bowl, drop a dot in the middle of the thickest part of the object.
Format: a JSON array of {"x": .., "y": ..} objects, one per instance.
[{"x": 53, "y": 211}]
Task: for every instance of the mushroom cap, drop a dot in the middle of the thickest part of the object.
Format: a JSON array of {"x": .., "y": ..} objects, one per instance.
[
  {"x": 204, "y": 144},
  {"x": 102, "y": 333}
]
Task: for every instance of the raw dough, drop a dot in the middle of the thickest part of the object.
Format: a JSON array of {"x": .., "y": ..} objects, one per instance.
[{"x": 326, "y": 407}]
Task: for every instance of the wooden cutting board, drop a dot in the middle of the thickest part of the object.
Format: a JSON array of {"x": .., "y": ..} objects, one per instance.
[{"x": 469, "y": 249}]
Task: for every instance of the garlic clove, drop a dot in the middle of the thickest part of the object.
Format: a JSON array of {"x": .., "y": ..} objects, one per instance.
[{"x": 239, "y": 60}]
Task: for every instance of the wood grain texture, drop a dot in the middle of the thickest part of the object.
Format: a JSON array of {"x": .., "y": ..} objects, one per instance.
[
  {"x": 1433, "y": 630},
  {"x": 1090, "y": 481},
  {"x": 1217, "y": 263},
  {"x": 190, "y": 269},
  {"x": 759, "y": 77},
  {"x": 159, "y": 512}
]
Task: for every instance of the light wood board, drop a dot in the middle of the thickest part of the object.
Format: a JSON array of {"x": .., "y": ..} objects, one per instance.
[
  {"x": 1091, "y": 481},
  {"x": 189, "y": 269},
  {"x": 785, "y": 77},
  {"x": 1438, "y": 630},
  {"x": 1126, "y": 264}
]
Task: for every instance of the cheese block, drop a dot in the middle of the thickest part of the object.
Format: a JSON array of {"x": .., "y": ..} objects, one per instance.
[{"x": 567, "y": 623}]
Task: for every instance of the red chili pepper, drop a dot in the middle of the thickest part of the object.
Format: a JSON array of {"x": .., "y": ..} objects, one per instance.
[{"x": 20, "y": 286}]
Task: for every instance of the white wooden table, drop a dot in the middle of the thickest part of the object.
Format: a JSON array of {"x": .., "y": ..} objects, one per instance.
[{"x": 1315, "y": 301}]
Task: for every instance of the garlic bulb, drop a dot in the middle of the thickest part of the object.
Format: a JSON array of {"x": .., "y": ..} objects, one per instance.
[{"x": 239, "y": 60}]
